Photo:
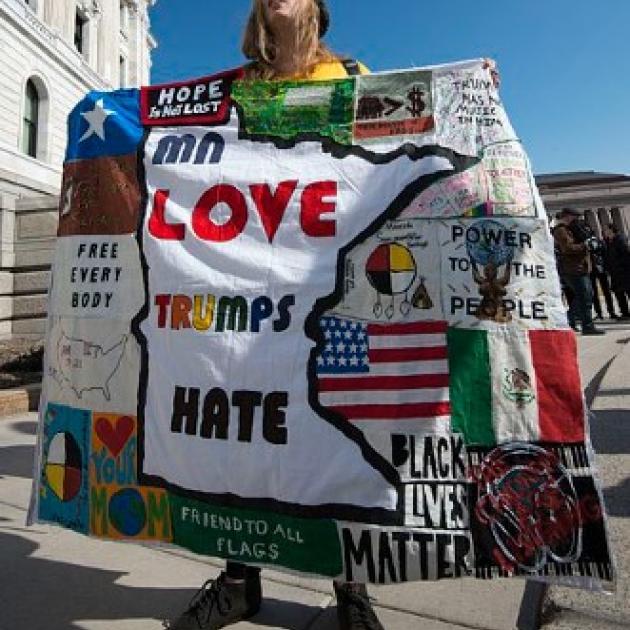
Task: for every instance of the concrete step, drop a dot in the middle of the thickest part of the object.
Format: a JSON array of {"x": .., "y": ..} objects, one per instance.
[
  {"x": 23, "y": 306},
  {"x": 19, "y": 399}
]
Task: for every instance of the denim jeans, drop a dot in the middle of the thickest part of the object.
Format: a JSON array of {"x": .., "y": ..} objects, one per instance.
[{"x": 581, "y": 306}]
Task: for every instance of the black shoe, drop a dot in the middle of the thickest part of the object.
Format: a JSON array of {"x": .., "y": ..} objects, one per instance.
[
  {"x": 613, "y": 316},
  {"x": 354, "y": 610},
  {"x": 219, "y": 603},
  {"x": 591, "y": 330}
]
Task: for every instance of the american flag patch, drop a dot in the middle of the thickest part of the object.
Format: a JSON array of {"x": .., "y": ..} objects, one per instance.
[{"x": 384, "y": 372}]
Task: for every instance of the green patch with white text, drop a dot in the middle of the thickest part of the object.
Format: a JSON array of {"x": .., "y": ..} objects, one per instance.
[{"x": 256, "y": 537}]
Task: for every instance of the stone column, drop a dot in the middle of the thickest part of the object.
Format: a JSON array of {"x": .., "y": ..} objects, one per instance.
[
  {"x": 59, "y": 15},
  {"x": 108, "y": 41},
  {"x": 604, "y": 216},
  {"x": 134, "y": 63},
  {"x": 593, "y": 221},
  {"x": 94, "y": 19},
  {"x": 621, "y": 219}
]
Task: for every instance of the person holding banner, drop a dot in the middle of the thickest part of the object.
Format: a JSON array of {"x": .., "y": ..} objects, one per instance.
[{"x": 282, "y": 40}]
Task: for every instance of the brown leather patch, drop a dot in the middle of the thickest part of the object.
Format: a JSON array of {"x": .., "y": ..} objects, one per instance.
[{"x": 100, "y": 196}]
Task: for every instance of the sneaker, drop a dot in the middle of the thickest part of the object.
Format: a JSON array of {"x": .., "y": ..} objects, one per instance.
[
  {"x": 354, "y": 609},
  {"x": 591, "y": 330},
  {"x": 219, "y": 603}
]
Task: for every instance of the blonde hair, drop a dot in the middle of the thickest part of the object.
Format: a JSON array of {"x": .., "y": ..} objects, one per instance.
[{"x": 259, "y": 45}]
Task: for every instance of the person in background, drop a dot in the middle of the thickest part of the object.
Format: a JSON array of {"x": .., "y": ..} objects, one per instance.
[
  {"x": 599, "y": 276},
  {"x": 567, "y": 293},
  {"x": 571, "y": 238},
  {"x": 282, "y": 41},
  {"x": 618, "y": 263}
]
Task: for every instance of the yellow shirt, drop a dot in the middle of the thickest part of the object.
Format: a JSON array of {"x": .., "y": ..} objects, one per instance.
[
  {"x": 325, "y": 71},
  {"x": 332, "y": 70}
]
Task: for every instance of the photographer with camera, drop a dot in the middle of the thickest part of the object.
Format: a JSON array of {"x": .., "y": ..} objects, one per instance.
[{"x": 572, "y": 239}]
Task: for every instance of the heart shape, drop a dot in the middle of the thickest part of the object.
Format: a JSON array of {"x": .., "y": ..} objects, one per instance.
[{"x": 114, "y": 437}]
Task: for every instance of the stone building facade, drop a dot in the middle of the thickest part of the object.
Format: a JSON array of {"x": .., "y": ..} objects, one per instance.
[
  {"x": 604, "y": 197},
  {"x": 53, "y": 52}
]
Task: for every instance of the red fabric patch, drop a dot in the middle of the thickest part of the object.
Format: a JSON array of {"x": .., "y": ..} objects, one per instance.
[
  {"x": 558, "y": 385},
  {"x": 116, "y": 437}
]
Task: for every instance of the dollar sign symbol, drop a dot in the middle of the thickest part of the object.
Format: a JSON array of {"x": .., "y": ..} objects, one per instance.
[{"x": 417, "y": 104}]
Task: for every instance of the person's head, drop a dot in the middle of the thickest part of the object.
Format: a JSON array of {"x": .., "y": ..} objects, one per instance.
[
  {"x": 490, "y": 271},
  {"x": 609, "y": 231},
  {"x": 272, "y": 22},
  {"x": 568, "y": 215}
]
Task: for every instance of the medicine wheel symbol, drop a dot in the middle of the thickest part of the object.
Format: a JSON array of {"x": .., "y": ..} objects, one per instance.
[
  {"x": 391, "y": 269},
  {"x": 64, "y": 466}
]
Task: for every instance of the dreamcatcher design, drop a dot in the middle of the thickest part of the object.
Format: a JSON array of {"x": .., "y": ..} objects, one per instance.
[{"x": 391, "y": 270}]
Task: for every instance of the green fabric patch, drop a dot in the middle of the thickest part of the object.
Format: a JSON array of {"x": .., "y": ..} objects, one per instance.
[
  {"x": 471, "y": 395},
  {"x": 256, "y": 537},
  {"x": 287, "y": 109}
]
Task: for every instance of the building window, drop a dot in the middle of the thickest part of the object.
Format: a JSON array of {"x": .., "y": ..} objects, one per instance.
[
  {"x": 31, "y": 120},
  {"x": 122, "y": 64},
  {"x": 80, "y": 32}
]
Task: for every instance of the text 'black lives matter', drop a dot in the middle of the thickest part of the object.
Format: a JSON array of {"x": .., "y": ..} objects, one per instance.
[{"x": 203, "y": 101}]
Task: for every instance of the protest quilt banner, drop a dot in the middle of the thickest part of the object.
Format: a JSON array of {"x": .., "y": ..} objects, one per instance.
[{"x": 316, "y": 326}]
